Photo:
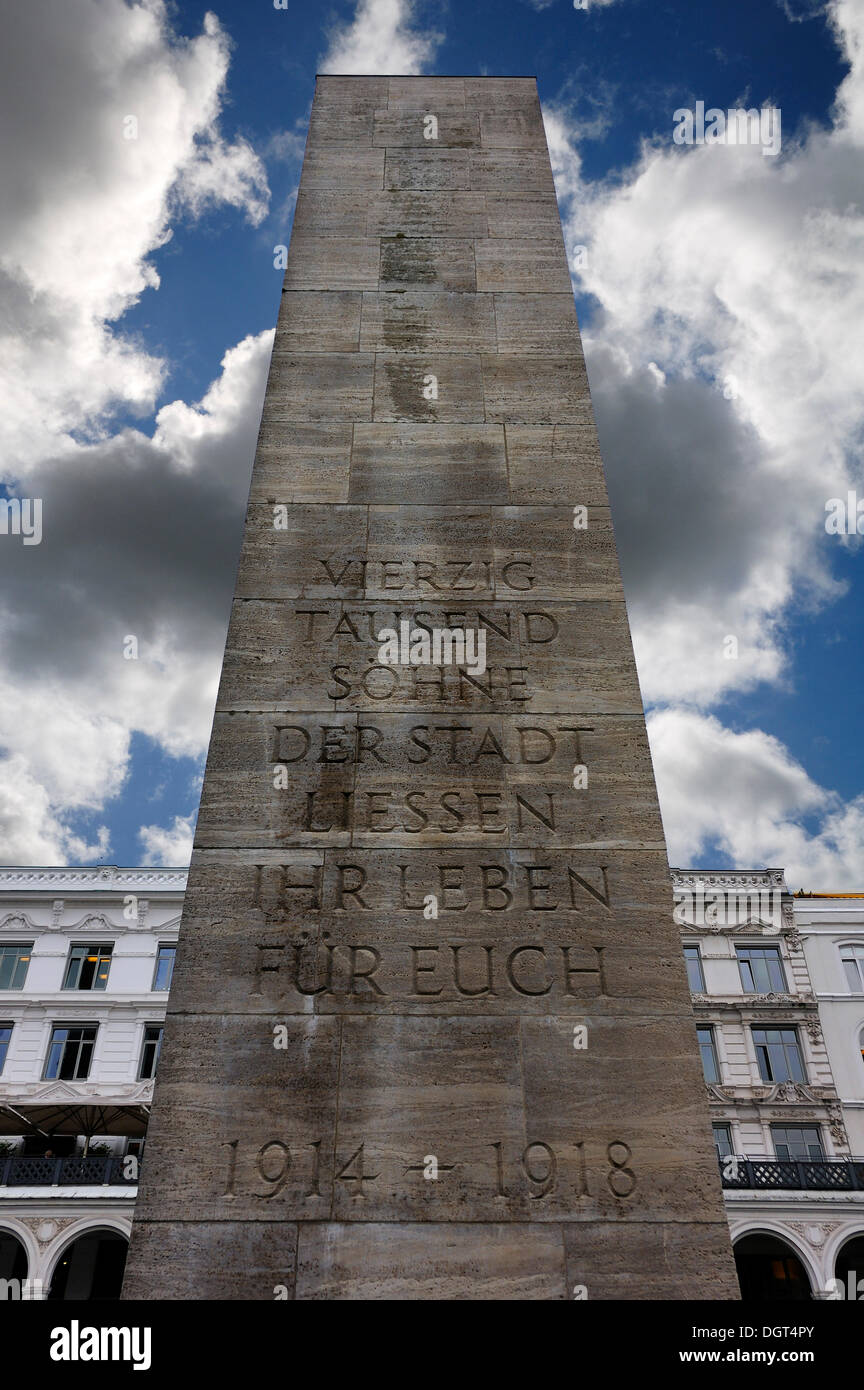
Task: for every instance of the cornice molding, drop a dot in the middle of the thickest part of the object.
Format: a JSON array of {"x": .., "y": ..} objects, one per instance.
[{"x": 101, "y": 878}]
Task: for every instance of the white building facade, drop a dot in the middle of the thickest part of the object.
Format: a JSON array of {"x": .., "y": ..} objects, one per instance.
[
  {"x": 793, "y": 1181},
  {"x": 777, "y": 983},
  {"x": 86, "y": 956}
]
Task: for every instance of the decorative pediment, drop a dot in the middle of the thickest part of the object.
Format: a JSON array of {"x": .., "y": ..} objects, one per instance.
[
  {"x": 94, "y": 923},
  {"x": 20, "y": 921},
  {"x": 57, "y": 1090}
]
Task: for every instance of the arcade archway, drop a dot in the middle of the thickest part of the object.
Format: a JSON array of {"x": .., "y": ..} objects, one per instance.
[
  {"x": 90, "y": 1268},
  {"x": 769, "y": 1271}
]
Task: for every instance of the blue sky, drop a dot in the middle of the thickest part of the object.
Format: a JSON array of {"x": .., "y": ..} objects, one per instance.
[{"x": 142, "y": 353}]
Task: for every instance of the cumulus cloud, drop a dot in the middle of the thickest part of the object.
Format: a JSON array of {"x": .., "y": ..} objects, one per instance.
[
  {"x": 171, "y": 845},
  {"x": 380, "y": 39},
  {"x": 140, "y": 539},
  {"x": 745, "y": 794},
  {"x": 112, "y": 132},
  {"x": 725, "y": 368},
  {"x": 726, "y": 378}
]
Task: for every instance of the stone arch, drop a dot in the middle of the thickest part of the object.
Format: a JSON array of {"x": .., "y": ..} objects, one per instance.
[
  {"x": 25, "y": 1267},
  {"x": 848, "y": 1257},
  {"x": 88, "y": 1274},
  {"x": 779, "y": 1247}
]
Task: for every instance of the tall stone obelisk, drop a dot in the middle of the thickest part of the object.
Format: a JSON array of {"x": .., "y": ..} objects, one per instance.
[{"x": 429, "y": 1034}]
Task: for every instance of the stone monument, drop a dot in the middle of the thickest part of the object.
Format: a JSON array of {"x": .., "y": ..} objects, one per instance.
[{"x": 429, "y": 1035}]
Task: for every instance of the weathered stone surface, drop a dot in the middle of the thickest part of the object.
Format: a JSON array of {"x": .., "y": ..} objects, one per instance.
[
  {"x": 405, "y": 390},
  {"x": 523, "y": 217},
  {"x": 535, "y": 266},
  {"x": 321, "y": 321},
  {"x": 499, "y": 170},
  {"x": 512, "y": 130},
  {"x": 555, "y": 464},
  {"x": 425, "y": 93},
  {"x": 321, "y": 386},
  {"x": 333, "y": 263},
  {"x": 406, "y": 129},
  {"x": 343, "y": 165},
  {"x": 535, "y": 323},
  {"x": 190, "y": 1260},
  {"x": 342, "y": 930},
  {"x": 428, "y": 320},
  {"x": 320, "y": 654},
  {"x": 445, "y": 214},
  {"x": 402, "y": 779},
  {"x": 406, "y": 1262},
  {"x": 430, "y": 1034},
  {"x": 427, "y": 263},
  {"x": 503, "y": 94},
  {"x": 523, "y": 390},
  {"x": 428, "y": 169},
  {"x": 437, "y": 464},
  {"x": 301, "y": 463},
  {"x": 334, "y": 211}
]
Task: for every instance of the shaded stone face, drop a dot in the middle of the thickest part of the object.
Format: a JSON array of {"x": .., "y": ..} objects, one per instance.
[{"x": 429, "y": 1034}]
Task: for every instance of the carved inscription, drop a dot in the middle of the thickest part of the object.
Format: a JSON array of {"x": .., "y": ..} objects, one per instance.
[
  {"x": 443, "y": 970},
  {"x": 536, "y": 1172},
  {"x": 287, "y": 891}
]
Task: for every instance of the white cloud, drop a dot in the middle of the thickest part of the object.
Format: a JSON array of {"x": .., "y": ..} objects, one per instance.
[
  {"x": 741, "y": 279},
  {"x": 380, "y": 40},
  {"x": 140, "y": 539},
  {"x": 744, "y": 793},
  {"x": 725, "y": 369},
  {"x": 171, "y": 846},
  {"x": 84, "y": 207},
  {"x": 139, "y": 533}
]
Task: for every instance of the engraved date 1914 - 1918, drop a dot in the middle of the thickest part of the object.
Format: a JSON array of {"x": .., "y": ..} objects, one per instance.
[{"x": 536, "y": 1172}]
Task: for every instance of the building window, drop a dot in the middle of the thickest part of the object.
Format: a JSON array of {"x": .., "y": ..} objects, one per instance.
[
  {"x": 693, "y": 957},
  {"x": 150, "y": 1051},
  {"x": 853, "y": 964},
  {"x": 723, "y": 1140},
  {"x": 5, "y": 1035},
  {"x": 778, "y": 1054},
  {"x": 88, "y": 967},
  {"x": 164, "y": 967},
  {"x": 70, "y": 1052},
  {"x": 761, "y": 969},
  {"x": 797, "y": 1141},
  {"x": 710, "y": 1069},
  {"x": 14, "y": 960}
]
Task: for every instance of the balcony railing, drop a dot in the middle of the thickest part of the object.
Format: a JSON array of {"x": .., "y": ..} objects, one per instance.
[
  {"x": 807, "y": 1174},
  {"x": 96, "y": 1170}
]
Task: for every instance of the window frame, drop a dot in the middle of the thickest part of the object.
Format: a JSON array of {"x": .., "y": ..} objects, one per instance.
[
  {"x": 793, "y": 1158},
  {"x": 100, "y": 951},
  {"x": 712, "y": 1044},
  {"x": 164, "y": 946},
  {"x": 693, "y": 946},
  {"x": 145, "y": 1043},
  {"x": 16, "y": 946},
  {"x": 857, "y": 952},
  {"x": 761, "y": 1048},
  {"x": 56, "y": 1075},
  {"x": 5, "y": 1043},
  {"x": 769, "y": 950}
]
